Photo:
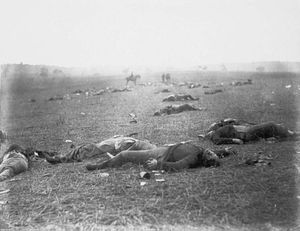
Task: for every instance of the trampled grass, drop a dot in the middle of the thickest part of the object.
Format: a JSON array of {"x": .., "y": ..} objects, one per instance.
[{"x": 230, "y": 196}]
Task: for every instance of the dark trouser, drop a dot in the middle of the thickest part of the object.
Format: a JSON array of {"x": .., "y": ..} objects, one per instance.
[{"x": 266, "y": 130}]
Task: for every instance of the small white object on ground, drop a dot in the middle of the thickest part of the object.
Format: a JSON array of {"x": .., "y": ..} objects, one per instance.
[
  {"x": 158, "y": 171},
  {"x": 143, "y": 183},
  {"x": 145, "y": 175},
  {"x": 68, "y": 141},
  {"x": 103, "y": 174},
  {"x": 5, "y": 191},
  {"x": 159, "y": 180}
]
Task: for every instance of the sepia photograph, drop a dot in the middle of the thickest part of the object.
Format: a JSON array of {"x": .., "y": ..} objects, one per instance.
[{"x": 150, "y": 115}]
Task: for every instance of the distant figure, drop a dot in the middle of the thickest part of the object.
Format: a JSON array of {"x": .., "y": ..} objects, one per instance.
[
  {"x": 163, "y": 78},
  {"x": 132, "y": 78},
  {"x": 168, "y": 78}
]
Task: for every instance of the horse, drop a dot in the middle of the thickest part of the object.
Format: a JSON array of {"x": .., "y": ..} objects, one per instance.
[{"x": 132, "y": 78}]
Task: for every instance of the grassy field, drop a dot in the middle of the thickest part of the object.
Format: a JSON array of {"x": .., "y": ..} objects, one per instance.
[{"x": 230, "y": 196}]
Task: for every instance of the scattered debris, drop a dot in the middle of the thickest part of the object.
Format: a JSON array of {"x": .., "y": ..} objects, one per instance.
[
  {"x": 82, "y": 113},
  {"x": 288, "y": 86},
  {"x": 257, "y": 160},
  {"x": 160, "y": 180},
  {"x": 133, "y": 118},
  {"x": 145, "y": 175},
  {"x": 194, "y": 85},
  {"x": 158, "y": 171},
  {"x": 3, "y": 202},
  {"x": 77, "y": 92},
  {"x": 68, "y": 141},
  {"x": 143, "y": 183},
  {"x": 67, "y": 96},
  {"x": 239, "y": 83},
  {"x": 103, "y": 174}
]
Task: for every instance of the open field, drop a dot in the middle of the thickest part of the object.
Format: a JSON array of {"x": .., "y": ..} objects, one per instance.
[{"x": 228, "y": 196}]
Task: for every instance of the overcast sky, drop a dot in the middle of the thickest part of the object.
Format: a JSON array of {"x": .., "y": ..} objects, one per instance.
[{"x": 148, "y": 32}]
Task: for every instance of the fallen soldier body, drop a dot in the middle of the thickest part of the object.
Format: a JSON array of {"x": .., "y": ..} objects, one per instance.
[
  {"x": 212, "y": 92},
  {"x": 174, "y": 109},
  {"x": 237, "y": 132},
  {"x": 175, "y": 157},
  {"x": 228, "y": 121},
  {"x": 193, "y": 85},
  {"x": 14, "y": 161},
  {"x": 179, "y": 97},
  {"x": 162, "y": 91},
  {"x": 119, "y": 90},
  {"x": 112, "y": 145}
]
